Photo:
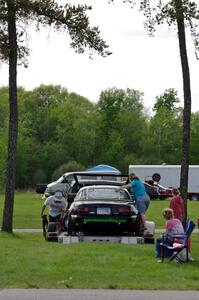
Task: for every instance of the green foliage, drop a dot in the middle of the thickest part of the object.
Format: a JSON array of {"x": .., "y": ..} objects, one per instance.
[
  {"x": 194, "y": 154},
  {"x": 122, "y": 113},
  {"x": 159, "y": 12},
  {"x": 22, "y": 162},
  {"x": 3, "y": 133},
  {"x": 39, "y": 177},
  {"x": 57, "y": 128},
  {"x": 71, "y": 166},
  {"x": 113, "y": 101},
  {"x": 161, "y": 147},
  {"x": 47, "y": 13},
  {"x": 3, "y": 158},
  {"x": 166, "y": 101},
  {"x": 61, "y": 127},
  {"x": 115, "y": 150},
  {"x": 166, "y": 122},
  {"x": 14, "y": 15},
  {"x": 181, "y": 14},
  {"x": 4, "y": 107}
]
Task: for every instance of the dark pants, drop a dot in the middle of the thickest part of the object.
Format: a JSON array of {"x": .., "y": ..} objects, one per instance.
[
  {"x": 54, "y": 219},
  {"x": 168, "y": 253}
]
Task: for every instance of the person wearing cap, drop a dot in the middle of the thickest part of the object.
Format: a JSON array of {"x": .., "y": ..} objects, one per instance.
[{"x": 57, "y": 206}]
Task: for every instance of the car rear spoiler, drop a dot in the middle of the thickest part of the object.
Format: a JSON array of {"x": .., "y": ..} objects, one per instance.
[{"x": 85, "y": 175}]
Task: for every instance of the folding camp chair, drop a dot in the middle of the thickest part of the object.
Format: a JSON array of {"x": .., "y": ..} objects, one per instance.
[{"x": 180, "y": 242}]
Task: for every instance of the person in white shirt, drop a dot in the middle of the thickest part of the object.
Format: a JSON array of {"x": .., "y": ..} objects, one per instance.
[{"x": 57, "y": 207}]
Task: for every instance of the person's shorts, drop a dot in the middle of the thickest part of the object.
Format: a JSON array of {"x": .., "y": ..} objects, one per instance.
[
  {"x": 142, "y": 203},
  {"x": 54, "y": 219}
]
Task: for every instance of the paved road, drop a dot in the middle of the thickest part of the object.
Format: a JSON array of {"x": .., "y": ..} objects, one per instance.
[{"x": 76, "y": 294}]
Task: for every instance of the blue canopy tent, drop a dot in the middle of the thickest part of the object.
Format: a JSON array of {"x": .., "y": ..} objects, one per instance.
[{"x": 104, "y": 168}]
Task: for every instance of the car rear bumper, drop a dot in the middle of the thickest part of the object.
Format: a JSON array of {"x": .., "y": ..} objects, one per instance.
[{"x": 104, "y": 223}]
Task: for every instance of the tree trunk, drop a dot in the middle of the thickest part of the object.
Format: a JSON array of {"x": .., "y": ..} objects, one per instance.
[
  {"x": 187, "y": 104},
  {"x": 7, "y": 224}
]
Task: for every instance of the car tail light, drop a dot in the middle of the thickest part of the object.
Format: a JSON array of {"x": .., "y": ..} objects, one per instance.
[
  {"x": 124, "y": 210},
  {"x": 82, "y": 210}
]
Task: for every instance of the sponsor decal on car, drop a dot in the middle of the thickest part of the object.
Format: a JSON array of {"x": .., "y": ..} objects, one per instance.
[{"x": 105, "y": 220}]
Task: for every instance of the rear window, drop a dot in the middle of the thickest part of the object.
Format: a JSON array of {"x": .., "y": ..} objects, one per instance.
[{"x": 106, "y": 194}]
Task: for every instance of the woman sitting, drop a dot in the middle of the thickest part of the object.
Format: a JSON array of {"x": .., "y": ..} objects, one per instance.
[{"x": 173, "y": 226}]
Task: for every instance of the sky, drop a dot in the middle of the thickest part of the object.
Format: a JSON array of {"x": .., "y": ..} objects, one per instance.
[{"x": 148, "y": 64}]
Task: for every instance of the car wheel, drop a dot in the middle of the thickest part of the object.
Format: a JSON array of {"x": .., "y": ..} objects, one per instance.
[
  {"x": 156, "y": 177},
  {"x": 195, "y": 198}
]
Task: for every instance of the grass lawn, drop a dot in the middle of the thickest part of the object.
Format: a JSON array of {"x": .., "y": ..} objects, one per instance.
[
  {"x": 27, "y": 209},
  {"x": 156, "y": 207},
  {"x": 27, "y": 261},
  {"x": 28, "y": 205}
]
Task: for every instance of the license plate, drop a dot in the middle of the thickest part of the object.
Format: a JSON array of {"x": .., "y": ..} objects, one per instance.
[{"x": 103, "y": 211}]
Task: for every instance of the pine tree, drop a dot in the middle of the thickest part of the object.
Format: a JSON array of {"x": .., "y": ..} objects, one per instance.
[{"x": 15, "y": 15}]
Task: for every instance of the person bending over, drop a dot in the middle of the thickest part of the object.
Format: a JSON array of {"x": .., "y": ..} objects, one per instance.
[
  {"x": 57, "y": 207},
  {"x": 142, "y": 199}
]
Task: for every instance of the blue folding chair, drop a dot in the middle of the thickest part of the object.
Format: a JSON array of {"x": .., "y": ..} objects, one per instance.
[{"x": 180, "y": 242}]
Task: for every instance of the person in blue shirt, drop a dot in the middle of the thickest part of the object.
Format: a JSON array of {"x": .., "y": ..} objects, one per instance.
[{"x": 142, "y": 199}]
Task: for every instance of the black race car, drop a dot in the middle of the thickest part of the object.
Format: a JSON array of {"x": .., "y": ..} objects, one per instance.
[{"x": 105, "y": 210}]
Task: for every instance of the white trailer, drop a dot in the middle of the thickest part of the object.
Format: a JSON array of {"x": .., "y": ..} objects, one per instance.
[{"x": 169, "y": 176}]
